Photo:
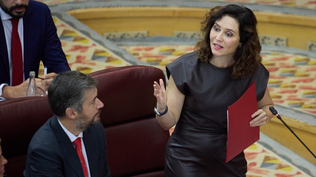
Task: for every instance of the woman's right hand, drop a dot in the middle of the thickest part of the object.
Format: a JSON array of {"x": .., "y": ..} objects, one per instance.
[
  {"x": 160, "y": 94},
  {"x": 175, "y": 103}
]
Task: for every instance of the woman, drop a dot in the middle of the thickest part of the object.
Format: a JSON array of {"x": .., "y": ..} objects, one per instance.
[{"x": 202, "y": 85}]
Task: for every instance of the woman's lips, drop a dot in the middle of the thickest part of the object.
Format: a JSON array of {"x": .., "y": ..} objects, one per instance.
[{"x": 217, "y": 47}]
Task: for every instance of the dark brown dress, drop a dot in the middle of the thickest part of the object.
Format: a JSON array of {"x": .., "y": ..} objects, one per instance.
[{"x": 197, "y": 146}]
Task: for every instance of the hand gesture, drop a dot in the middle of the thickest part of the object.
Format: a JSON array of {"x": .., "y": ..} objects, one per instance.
[{"x": 160, "y": 94}]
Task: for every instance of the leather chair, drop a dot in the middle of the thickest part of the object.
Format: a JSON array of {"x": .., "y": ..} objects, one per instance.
[{"x": 135, "y": 141}]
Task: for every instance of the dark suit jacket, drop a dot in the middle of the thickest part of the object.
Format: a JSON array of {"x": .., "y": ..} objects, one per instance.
[
  {"x": 52, "y": 154},
  {"x": 40, "y": 43}
]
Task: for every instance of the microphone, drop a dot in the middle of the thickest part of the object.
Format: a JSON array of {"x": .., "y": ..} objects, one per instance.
[{"x": 275, "y": 112}]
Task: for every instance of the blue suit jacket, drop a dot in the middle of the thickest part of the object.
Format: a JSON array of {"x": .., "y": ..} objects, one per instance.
[
  {"x": 40, "y": 43},
  {"x": 52, "y": 154}
]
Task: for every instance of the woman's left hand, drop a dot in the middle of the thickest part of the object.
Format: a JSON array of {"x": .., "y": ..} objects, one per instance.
[{"x": 260, "y": 118}]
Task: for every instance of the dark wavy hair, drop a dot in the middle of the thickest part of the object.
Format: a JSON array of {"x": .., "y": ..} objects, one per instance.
[{"x": 247, "y": 57}]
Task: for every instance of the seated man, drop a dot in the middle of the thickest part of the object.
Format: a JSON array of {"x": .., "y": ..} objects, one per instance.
[
  {"x": 27, "y": 36},
  {"x": 72, "y": 142},
  {"x": 3, "y": 161}
]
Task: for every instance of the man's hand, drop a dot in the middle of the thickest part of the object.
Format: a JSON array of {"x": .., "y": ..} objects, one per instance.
[
  {"x": 20, "y": 90},
  {"x": 48, "y": 78}
]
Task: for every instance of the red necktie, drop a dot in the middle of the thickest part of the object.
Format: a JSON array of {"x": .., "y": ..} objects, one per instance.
[
  {"x": 16, "y": 54},
  {"x": 78, "y": 147}
]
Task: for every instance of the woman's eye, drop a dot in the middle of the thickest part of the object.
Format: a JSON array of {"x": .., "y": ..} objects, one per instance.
[
  {"x": 216, "y": 28},
  {"x": 229, "y": 34}
]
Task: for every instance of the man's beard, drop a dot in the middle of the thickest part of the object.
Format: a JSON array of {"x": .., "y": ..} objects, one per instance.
[
  {"x": 10, "y": 10},
  {"x": 82, "y": 124}
]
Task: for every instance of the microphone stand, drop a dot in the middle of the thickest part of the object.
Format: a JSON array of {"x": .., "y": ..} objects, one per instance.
[{"x": 274, "y": 112}]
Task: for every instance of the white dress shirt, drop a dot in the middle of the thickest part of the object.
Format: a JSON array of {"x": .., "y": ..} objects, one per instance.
[
  {"x": 7, "y": 26},
  {"x": 72, "y": 138}
]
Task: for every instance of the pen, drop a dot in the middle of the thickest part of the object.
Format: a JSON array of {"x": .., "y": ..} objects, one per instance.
[{"x": 45, "y": 72}]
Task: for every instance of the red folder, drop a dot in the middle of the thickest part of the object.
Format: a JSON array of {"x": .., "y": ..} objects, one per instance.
[{"x": 240, "y": 135}]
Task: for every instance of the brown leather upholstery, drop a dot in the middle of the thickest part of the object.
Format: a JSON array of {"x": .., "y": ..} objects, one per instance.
[{"x": 135, "y": 141}]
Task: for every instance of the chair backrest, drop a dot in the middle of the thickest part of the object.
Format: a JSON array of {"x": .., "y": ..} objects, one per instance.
[
  {"x": 20, "y": 118},
  {"x": 135, "y": 141}
]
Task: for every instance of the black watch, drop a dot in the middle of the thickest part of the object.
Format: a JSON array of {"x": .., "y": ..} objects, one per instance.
[{"x": 161, "y": 114}]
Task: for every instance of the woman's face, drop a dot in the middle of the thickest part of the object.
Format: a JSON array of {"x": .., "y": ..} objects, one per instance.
[
  {"x": 3, "y": 161},
  {"x": 224, "y": 37}
]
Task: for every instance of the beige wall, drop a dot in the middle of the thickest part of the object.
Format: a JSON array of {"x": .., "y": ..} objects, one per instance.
[{"x": 165, "y": 20}]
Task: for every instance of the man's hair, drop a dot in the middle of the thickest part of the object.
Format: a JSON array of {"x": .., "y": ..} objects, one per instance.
[
  {"x": 247, "y": 56},
  {"x": 0, "y": 141},
  {"x": 68, "y": 90}
]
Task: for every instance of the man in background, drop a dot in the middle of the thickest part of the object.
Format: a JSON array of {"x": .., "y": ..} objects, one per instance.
[
  {"x": 27, "y": 35},
  {"x": 72, "y": 142},
  {"x": 3, "y": 162}
]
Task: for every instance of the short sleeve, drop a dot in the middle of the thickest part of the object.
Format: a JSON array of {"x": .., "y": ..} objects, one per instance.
[
  {"x": 261, "y": 78},
  {"x": 181, "y": 70}
]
